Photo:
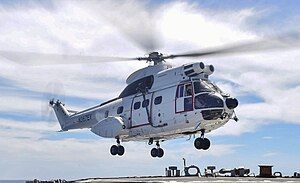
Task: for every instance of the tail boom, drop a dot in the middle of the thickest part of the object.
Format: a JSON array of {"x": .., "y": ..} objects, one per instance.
[{"x": 72, "y": 120}]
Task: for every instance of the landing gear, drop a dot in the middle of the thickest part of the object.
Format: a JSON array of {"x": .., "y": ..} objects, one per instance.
[
  {"x": 201, "y": 142},
  {"x": 117, "y": 149},
  {"x": 150, "y": 141},
  {"x": 157, "y": 152}
]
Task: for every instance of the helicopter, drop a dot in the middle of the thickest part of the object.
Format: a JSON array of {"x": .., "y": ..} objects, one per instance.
[{"x": 160, "y": 102}]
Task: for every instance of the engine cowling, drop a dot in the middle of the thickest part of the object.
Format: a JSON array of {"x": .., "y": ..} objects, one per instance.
[
  {"x": 194, "y": 69},
  {"x": 209, "y": 69},
  {"x": 110, "y": 127}
]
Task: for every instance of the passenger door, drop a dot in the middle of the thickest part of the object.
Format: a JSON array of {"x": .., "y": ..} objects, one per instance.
[{"x": 140, "y": 109}]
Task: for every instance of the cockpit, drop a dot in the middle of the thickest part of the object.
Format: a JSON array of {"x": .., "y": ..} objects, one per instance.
[
  {"x": 205, "y": 95},
  {"x": 199, "y": 94}
]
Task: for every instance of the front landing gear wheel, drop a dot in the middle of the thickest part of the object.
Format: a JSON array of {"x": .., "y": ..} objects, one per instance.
[
  {"x": 157, "y": 152},
  {"x": 202, "y": 143},
  {"x": 206, "y": 144},
  {"x": 198, "y": 143}
]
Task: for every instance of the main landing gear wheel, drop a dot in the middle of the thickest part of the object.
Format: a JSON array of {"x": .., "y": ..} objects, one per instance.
[
  {"x": 114, "y": 150},
  {"x": 117, "y": 149},
  {"x": 157, "y": 152},
  {"x": 201, "y": 142},
  {"x": 154, "y": 152}
]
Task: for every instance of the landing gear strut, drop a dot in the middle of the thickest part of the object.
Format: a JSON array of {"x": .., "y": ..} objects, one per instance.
[
  {"x": 201, "y": 142},
  {"x": 157, "y": 152},
  {"x": 117, "y": 149},
  {"x": 150, "y": 141}
]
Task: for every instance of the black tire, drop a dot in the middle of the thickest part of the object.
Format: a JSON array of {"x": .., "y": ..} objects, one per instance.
[
  {"x": 206, "y": 144},
  {"x": 154, "y": 152},
  {"x": 114, "y": 150},
  {"x": 121, "y": 150},
  {"x": 160, "y": 152},
  {"x": 198, "y": 143}
]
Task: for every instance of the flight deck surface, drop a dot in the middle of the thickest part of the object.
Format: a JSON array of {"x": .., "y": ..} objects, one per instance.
[{"x": 188, "y": 179}]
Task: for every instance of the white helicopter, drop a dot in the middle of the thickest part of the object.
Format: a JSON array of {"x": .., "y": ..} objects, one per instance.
[{"x": 159, "y": 102}]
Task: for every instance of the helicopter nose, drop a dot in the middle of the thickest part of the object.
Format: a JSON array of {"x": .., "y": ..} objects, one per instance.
[{"x": 231, "y": 103}]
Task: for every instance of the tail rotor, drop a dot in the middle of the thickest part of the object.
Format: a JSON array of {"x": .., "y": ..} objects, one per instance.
[{"x": 52, "y": 92}]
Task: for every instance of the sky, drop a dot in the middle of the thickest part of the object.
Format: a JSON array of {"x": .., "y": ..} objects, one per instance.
[{"x": 266, "y": 83}]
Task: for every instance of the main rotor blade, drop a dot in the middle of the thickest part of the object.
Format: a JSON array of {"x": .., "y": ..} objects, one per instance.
[
  {"x": 134, "y": 19},
  {"x": 283, "y": 42},
  {"x": 36, "y": 59}
]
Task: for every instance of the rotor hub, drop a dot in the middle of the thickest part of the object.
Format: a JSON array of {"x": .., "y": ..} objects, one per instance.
[{"x": 154, "y": 57}]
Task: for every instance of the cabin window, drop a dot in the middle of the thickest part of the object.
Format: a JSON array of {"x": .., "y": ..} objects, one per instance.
[
  {"x": 145, "y": 103},
  {"x": 158, "y": 100},
  {"x": 120, "y": 110},
  {"x": 180, "y": 91},
  {"x": 106, "y": 114},
  {"x": 137, "y": 105}
]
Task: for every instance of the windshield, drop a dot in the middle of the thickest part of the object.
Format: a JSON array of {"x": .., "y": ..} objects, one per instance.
[
  {"x": 205, "y": 86},
  {"x": 201, "y": 87},
  {"x": 208, "y": 100}
]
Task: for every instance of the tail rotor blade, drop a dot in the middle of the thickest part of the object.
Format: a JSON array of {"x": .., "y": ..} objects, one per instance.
[{"x": 53, "y": 91}]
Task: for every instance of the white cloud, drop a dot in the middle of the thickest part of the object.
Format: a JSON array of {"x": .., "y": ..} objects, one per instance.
[
  {"x": 190, "y": 30},
  {"x": 270, "y": 154},
  {"x": 22, "y": 105}
]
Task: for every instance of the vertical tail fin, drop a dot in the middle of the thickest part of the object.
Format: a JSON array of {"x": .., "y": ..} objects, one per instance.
[{"x": 61, "y": 112}]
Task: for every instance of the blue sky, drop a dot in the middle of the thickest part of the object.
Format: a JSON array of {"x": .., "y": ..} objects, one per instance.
[{"x": 266, "y": 84}]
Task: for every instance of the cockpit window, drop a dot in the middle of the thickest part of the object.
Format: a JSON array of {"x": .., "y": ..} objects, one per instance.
[
  {"x": 200, "y": 87},
  {"x": 208, "y": 100},
  {"x": 188, "y": 90},
  {"x": 206, "y": 86}
]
